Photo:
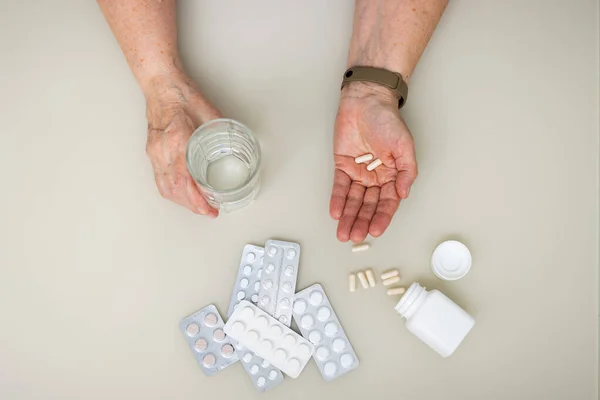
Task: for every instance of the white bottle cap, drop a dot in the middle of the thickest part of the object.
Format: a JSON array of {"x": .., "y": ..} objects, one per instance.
[{"x": 451, "y": 260}]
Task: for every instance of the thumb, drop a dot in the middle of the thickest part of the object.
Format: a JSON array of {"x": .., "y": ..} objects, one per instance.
[{"x": 407, "y": 173}]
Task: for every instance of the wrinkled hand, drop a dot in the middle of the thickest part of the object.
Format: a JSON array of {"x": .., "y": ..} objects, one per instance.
[
  {"x": 175, "y": 108},
  {"x": 368, "y": 122}
]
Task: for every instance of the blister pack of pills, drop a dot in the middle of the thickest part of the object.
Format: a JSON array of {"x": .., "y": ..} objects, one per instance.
[
  {"x": 278, "y": 281},
  {"x": 318, "y": 323},
  {"x": 204, "y": 334},
  {"x": 269, "y": 338},
  {"x": 263, "y": 375}
]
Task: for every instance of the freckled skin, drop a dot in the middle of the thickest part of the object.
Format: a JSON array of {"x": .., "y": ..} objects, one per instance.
[{"x": 390, "y": 34}]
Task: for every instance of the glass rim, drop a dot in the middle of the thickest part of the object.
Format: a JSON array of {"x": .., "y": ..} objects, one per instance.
[{"x": 253, "y": 140}]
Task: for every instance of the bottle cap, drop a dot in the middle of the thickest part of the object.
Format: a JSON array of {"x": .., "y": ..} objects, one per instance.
[{"x": 451, "y": 260}]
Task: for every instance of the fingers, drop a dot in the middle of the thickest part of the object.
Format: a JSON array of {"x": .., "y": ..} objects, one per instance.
[
  {"x": 180, "y": 188},
  {"x": 387, "y": 206},
  {"x": 407, "y": 173},
  {"x": 341, "y": 186},
  {"x": 353, "y": 203},
  {"x": 360, "y": 229},
  {"x": 197, "y": 201}
]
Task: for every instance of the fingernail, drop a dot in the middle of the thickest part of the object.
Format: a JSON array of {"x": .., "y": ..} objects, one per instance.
[
  {"x": 406, "y": 193},
  {"x": 213, "y": 214}
]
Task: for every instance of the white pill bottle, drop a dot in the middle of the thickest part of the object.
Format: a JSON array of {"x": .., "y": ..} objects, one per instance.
[{"x": 434, "y": 318}]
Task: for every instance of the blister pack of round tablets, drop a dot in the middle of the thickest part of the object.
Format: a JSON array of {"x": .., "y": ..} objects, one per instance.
[
  {"x": 269, "y": 339},
  {"x": 278, "y": 280},
  {"x": 318, "y": 323},
  {"x": 263, "y": 375},
  {"x": 203, "y": 331}
]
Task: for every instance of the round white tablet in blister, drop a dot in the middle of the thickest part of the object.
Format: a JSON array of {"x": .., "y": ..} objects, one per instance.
[
  {"x": 270, "y": 268},
  {"x": 257, "y": 286},
  {"x": 250, "y": 257},
  {"x": 200, "y": 345},
  {"x": 307, "y": 321},
  {"x": 315, "y": 336},
  {"x": 241, "y": 295},
  {"x": 330, "y": 368},
  {"x": 259, "y": 273},
  {"x": 347, "y": 360},
  {"x": 303, "y": 350},
  {"x": 282, "y": 319},
  {"x": 247, "y": 270},
  {"x": 210, "y": 319},
  {"x": 291, "y": 253},
  {"x": 331, "y": 328},
  {"x": 272, "y": 374},
  {"x": 247, "y": 313},
  {"x": 339, "y": 345},
  {"x": 247, "y": 357},
  {"x": 272, "y": 250},
  {"x": 289, "y": 340},
  {"x": 280, "y": 354},
  {"x": 323, "y": 313},
  {"x": 254, "y": 298},
  {"x": 322, "y": 353},
  {"x": 289, "y": 270},
  {"x": 265, "y": 363},
  {"x": 192, "y": 329},
  {"x": 262, "y": 322},
  {"x": 299, "y": 306},
  {"x": 238, "y": 327},
  {"x": 268, "y": 284},
  {"x": 266, "y": 346},
  {"x": 260, "y": 382},
  {"x": 253, "y": 336},
  {"x": 244, "y": 283},
  {"x": 287, "y": 286},
  {"x": 219, "y": 335},
  {"x": 227, "y": 350},
  {"x": 276, "y": 330},
  {"x": 254, "y": 369},
  {"x": 315, "y": 298},
  {"x": 293, "y": 365},
  {"x": 209, "y": 360},
  {"x": 284, "y": 303}
]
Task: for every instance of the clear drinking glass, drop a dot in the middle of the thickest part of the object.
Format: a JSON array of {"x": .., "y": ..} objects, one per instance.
[{"x": 223, "y": 157}]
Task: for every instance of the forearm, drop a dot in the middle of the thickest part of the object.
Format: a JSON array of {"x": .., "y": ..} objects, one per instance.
[
  {"x": 147, "y": 33},
  {"x": 392, "y": 34}
]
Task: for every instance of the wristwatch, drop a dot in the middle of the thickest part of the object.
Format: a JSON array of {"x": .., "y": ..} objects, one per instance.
[{"x": 389, "y": 79}]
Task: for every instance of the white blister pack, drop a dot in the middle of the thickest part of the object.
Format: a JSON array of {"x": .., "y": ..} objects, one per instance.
[
  {"x": 278, "y": 281},
  {"x": 263, "y": 375},
  {"x": 269, "y": 338},
  {"x": 204, "y": 334},
  {"x": 318, "y": 323}
]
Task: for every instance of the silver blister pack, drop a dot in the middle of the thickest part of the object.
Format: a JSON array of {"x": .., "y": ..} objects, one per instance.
[
  {"x": 278, "y": 280},
  {"x": 247, "y": 282},
  {"x": 204, "y": 334},
  {"x": 318, "y": 323}
]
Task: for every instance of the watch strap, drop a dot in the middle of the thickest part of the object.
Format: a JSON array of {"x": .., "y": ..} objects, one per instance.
[{"x": 389, "y": 79}]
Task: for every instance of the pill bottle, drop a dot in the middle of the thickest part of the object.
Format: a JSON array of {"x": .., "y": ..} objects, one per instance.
[
  {"x": 223, "y": 157},
  {"x": 434, "y": 318}
]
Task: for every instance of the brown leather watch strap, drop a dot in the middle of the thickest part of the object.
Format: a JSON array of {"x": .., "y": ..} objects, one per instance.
[{"x": 389, "y": 79}]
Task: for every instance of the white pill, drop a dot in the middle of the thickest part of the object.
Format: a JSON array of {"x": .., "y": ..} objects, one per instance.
[
  {"x": 262, "y": 322},
  {"x": 363, "y": 158},
  {"x": 210, "y": 319},
  {"x": 280, "y": 354},
  {"x": 247, "y": 270},
  {"x": 227, "y": 350},
  {"x": 276, "y": 330},
  {"x": 265, "y": 363},
  {"x": 330, "y": 368},
  {"x": 254, "y": 298},
  {"x": 192, "y": 329},
  {"x": 287, "y": 287},
  {"x": 289, "y": 270},
  {"x": 266, "y": 346},
  {"x": 284, "y": 303},
  {"x": 389, "y": 274},
  {"x": 346, "y": 360},
  {"x": 289, "y": 340},
  {"x": 374, "y": 164},
  {"x": 315, "y": 336},
  {"x": 331, "y": 329},
  {"x": 272, "y": 374},
  {"x": 209, "y": 360},
  {"x": 395, "y": 291},
  {"x": 247, "y": 313},
  {"x": 257, "y": 286},
  {"x": 370, "y": 277},
  {"x": 200, "y": 345},
  {"x": 291, "y": 253},
  {"x": 254, "y": 369},
  {"x": 241, "y": 295},
  {"x": 307, "y": 321},
  {"x": 352, "y": 282},
  {"x": 252, "y": 336},
  {"x": 303, "y": 350},
  {"x": 260, "y": 382},
  {"x": 299, "y": 306},
  {"x": 391, "y": 281},
  {"x": 268, "y": 284},
  {"x": 322, "y": 353},
  {"x": 315, "y": 298},
  {"x": 360, "y": 247},
  {"x": 282, "y": 319},
  {"x": 250, "y": 257},
  {"x": 259, "y": 273},
  {"x": 270, "y": 268},
  {"x": 323, "y": 313},
  {"x": 238, "y": 327},
  {"x": 339, "y": 345},
  {"x": 265, "y": 300},
  {"x": 293, "y": 365},
  {"x": 363, "y": 280},
  {"x": 244, "y": 283},
  {"x": 218, "y": 335},
  {"x": 247, "y": 357}
]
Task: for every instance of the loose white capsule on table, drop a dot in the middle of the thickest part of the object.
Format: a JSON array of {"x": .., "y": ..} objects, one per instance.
[
  {"x": 363, "y": 158},
  {"x": 363, "y": 280},
  {"x": 370, "y": 277},
  {"x": 389, "y": 274},
  {"x": 360, "y": 247},
  {"x": 374, "y": 165},
  {"x": 391, "y": 281},
  {"x": 352, "y": 282},
  {"x": 396, "y": 291}
]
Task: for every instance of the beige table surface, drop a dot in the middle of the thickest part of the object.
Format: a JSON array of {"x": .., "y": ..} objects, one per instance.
[{"x": 96, "y": 269}]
